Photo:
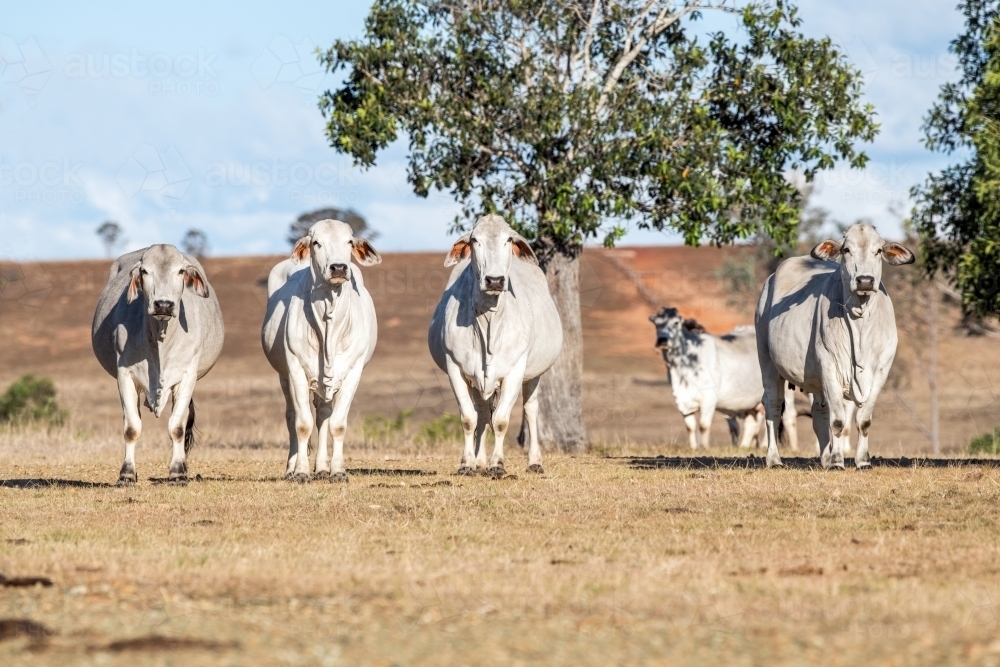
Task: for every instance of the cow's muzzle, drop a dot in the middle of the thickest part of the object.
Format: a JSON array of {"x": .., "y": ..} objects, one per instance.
[
  {"x": 163, "y": 309},
  {"x": 338, "y": 273},
  {"x": 494, "y": 284},
  {"x": 864, "y": 284}
]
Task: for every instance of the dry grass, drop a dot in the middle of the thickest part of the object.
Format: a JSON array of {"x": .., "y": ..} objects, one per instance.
[{"x": 593, "y": 563}]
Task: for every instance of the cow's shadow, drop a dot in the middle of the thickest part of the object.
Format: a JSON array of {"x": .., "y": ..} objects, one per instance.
[
  {"x": 794, "y": 462},
  {"x": 41, "y": 482}
]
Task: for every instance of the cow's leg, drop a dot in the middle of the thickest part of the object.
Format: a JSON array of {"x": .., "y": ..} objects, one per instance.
[
  {"x": 789, "y": 419},
  {"x": 469, "y": 413},
  {"x": 293, "y": 438},
  {"x": 181, "y": 394},
  {"x": 129, "y": 395},
  {"x": 773, "y": 398},
  {"x": 338, "y": 421},
  {"x": 734, "y": 430},
  {"x": 838, "y": 419},
  {"x": 821, "y": 427},
  {"x": 691, "y": 422},
  {"x": 705, "y": 422},
  {"x": 324, "y": 409},
  {"x": 298, "y": 385},
  {"x": 482, "y": 423},
  {"x": 529, "y": 392},
  {"x": 863, "y": 417},
  {"x": 510, "y": 389},
  {"x": 849, "y": 420},
  {"x": 751, "y": 427}
]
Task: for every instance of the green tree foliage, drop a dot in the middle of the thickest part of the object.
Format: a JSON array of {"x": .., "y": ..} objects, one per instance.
[
  {"x": 572, "y": 117},
  {"x": 31, "y": 400},
  {"x": 957, "y": 212}
]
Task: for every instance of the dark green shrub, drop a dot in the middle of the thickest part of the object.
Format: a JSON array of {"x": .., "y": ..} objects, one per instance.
[
  {"x": 987, "y": 443},
  {"x": 31, "y": 400}
]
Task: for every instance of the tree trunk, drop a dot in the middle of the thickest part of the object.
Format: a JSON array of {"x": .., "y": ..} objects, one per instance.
[
  {"x": 932, "y": 359},
  {"x": 560, "y": 391}
]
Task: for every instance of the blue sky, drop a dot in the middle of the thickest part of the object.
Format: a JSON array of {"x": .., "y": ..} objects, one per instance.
[{"x": 171, "y": 116}]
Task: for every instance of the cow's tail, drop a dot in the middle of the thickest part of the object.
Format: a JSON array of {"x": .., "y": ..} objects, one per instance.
[{"x": 189, "y": 431}]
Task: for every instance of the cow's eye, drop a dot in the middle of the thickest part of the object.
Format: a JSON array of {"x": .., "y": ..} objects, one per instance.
[
  {"x": 846, "y": 251},
  {"x": 878, "y": 251},
  {"x": 144, "y": 272},
  {"x": 473, "y": 240},
  {"x": 510, "y": 240},
  {"x": 316, "y": 244}
]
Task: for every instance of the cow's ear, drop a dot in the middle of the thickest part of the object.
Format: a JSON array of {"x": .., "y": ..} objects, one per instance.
[
  {"x": 896, "y": 254},
  {"x": 301, "y": 249},
  {"x": 828, "y": 251},
  {"x": 364, "y": 252},
  {"x": 522, "y": 249},
  {"x": 461, "y": 250},
  {"x": 134, "y": 283},
  {"x": 195, "y": 281}
]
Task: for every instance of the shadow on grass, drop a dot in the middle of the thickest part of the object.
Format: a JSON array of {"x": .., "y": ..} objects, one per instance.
[
  {"x": 794, "y": 462},
  {"x": 39, "y": 483}
]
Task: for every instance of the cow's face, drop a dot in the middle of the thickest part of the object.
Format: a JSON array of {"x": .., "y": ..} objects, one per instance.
[
  {"x": 330, "y": 246},
  {"x": 162, "y": 275},
  {"x": 861, "y": 254},
  {"x": 492, "y": 245},
  {"x": 669, "y": 326}
]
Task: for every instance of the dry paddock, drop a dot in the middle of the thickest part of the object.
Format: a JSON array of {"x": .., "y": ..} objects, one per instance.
[{"x": 596, "y": 562}]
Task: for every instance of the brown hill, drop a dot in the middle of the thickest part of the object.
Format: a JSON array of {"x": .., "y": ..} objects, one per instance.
[{"x": 46, "y": 310}]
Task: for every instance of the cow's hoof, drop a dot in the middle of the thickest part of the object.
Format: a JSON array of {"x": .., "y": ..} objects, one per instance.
[
  {"x": 179, "y": 480},
  {"x": 465, "y": 471},
  {"x": 496, "y": 472},
  {"x": 299, "y": 477},
  {"x": 338, "y": 478},
  {"x": 864, "y": 465},
  {"x": 127, "y": 476},
  {"x": 537, "y": 468},
  {"x": 322, "y": 474}
]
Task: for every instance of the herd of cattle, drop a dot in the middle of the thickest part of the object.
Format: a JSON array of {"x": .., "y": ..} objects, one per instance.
[{"x": 823, "y": 324}]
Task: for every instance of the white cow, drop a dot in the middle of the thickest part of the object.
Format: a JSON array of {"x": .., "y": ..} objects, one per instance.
[
  {"x": 714, "y": 373},
  {"x": 830, "y": 329},
  {"x": 159, "y": 345},
  {"x": 494, "y": 332},
  {"x": 319, "y": 333}
]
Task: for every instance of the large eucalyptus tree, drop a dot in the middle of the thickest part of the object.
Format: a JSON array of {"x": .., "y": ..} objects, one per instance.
[{"x": 577, "y": 118}]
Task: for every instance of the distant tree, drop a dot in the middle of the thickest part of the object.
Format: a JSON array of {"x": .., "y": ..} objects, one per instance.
[
  {"x": 301, "y": 226},
  {"x": 957, "y": 211},
  {"x": 572, "y": 117},
  {"x": 195, "y": 242},
  {"x": 111, "y": 235}
]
